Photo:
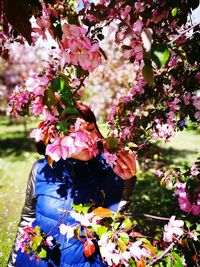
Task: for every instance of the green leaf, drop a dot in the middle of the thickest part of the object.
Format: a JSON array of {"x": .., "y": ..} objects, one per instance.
[
  {"x": 49, "y": 99},
  {"x": 178, "y": 260},
  {"x": 159, "y": 54},
  {"x": 127, "y": 223},
  {"x": 132, "y": 263},
  {"x": 111, "y": 142},
  {"x": 116, "y": 225},
  {"x": 168, "y": 262},
  {"x": 55, "y": 84},
  {"x": 124, "y": 237},
  {"x": 99, "y": 229},
  {"x": 62, "y": 126},
  {"x": 174, "y": 12},
  {"x": 147, "y": 73},
  {"x": 198, "y": 227},
  {"x": 36, "y": 242},
  {"x": 37, "y": 230},
  {"x": 188, "y": 224},
  {"x": 70, "y": 111},
  {"x": 42, "y": 253},
  {"x": 145, "y": 240},
  {"x": 80, "y": 208}
]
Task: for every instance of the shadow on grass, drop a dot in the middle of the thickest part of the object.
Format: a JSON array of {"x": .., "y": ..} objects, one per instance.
[
  {"x": 150, "y": 198},
  {"x": 16, "y": 146},
  {"x": 170, "y": 155}
]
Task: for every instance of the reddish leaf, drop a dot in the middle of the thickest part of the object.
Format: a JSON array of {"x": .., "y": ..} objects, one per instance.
[
  {"x": 88, "y": 248},
  {"x": 17, "y": 14},
  {"x": 102, "y": 212}
]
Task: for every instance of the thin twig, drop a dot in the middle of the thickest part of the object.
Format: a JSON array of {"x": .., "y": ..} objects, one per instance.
[
  {"x": 183, "y": 32},
  {"x": 156, "y": 217},
  {"x": 80, "y": 85},
  {"x": 63, "y": 216},
  {"x": 161, "y": 255}
]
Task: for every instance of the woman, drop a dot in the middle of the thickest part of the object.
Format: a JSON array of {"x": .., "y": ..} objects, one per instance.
[{"x": 79, "y": 179}]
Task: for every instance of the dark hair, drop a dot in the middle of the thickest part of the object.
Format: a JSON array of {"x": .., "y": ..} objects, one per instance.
[{"x": 86, "y": 113}]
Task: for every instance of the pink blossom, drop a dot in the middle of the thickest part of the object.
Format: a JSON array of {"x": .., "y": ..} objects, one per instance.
[
  {"x": 173, "y": 61},
  {"x": 138, "y": 88},
  {"x": 194, "y": 170},
  {"x": 66, "y": 230},
  {"x": 48, "y": 116},
  {"x": 37, "y": 106},
  {"x": 197, "y": 115},
  {"x": 173, "y": 104},
  {"x": 110, "y": 158},
  {"x": 37, "y": 134},
  {"x": 159, "y": 173},
  {"x": 137, "y": 251},
  {"x": 195, "y": 210},
  {"x": 49, "y": 241},
  {"x": 164, "y": 130},
  {"x": 196, "y": 102},
  {"x": 60, "y": 148},
  {"x": 85, "y": 220},
  {"x": 173, "y": 229},
  {"x": 107, "y": 249},
  {"x": 139, "y": 7},
  {"x": 157, "y": 16},
  {"x": 18, "y": 99},
  {"x": 137, "y": 26},
  {"x": 187, "y": 98},
  {"x": 124, "y": 12},
  {"x": 79, "y": 48},
  {"x": 37, "y": 85},
  {"x": 131, "y": 118}
]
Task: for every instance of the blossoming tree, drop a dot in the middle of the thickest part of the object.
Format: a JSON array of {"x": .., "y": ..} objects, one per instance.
[{"x": 157, "y": 37}]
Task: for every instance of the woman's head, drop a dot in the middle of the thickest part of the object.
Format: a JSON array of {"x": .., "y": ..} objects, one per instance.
[
  {"x": 88, "y": 124},
  {"x": 87, "y": 115}
]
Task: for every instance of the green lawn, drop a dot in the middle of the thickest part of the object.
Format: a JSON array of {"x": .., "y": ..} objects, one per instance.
[{"x": 17, "y": 154}]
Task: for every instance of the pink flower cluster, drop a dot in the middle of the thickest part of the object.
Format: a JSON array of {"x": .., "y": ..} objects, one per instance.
[
  {"x": 110, "y": 158},
  {"x": 196, "y": 104},
  {"x": 113, "y": 257},
  {"x": 27, "y": 239},
  {"x": 78, "y": 48},
  {"x": 173, "y": 230},
  {"x": 45, "y": 132},
  {"x": 184, "y": 199},
  {"x": 72, "y": 144},
  {"x": 139, "y": 87},
  {"x": 19, "y": 101},
  {"x": 37, "y": 84},
  {"x": 164, "y": 130},
  {"x": 111, "y": 252}
]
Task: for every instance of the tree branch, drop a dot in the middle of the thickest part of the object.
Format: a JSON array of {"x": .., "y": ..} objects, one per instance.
[
  {"x": 161, "y": 256},
  {"x": 183, "y": 32},
  {"x": 156, "y": 217},
  {"x": 81, "y": 84}
]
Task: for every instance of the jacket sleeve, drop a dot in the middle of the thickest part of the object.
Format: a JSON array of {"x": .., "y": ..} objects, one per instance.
[
  {"x": 27, "y": 215},
  {"x": 129, "y": 186}
]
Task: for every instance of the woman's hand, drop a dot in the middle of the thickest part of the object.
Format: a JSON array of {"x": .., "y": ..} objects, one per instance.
[{"x": 126, "y": 165}]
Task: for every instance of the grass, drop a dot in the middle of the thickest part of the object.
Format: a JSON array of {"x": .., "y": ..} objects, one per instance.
[{"x": 17, "y": 154}]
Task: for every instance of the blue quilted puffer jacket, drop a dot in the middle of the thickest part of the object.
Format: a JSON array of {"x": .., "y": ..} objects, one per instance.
[{"x": 56, "y": 188}]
